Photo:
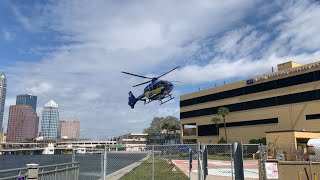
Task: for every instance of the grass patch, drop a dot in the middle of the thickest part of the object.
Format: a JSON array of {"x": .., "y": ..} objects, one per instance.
[{"x": 163, "y": 170}]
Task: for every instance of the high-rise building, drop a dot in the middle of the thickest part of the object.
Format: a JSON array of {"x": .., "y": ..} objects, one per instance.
[
  {"x": 27, "y": 99},
  {"x": 69, "y": 129},
  {"x": 23, "y": 123},
  {"x": 50, "y": 119},
  {"x": 3, "y": 89}
]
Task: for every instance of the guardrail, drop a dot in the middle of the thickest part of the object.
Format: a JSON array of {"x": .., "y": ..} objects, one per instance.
[
  {"x": 64, "y": 171},
  {"x": 13, "y": 174}
]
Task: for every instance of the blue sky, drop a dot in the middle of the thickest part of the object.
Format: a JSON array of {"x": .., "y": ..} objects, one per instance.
[{"x": 73, "y": 51}]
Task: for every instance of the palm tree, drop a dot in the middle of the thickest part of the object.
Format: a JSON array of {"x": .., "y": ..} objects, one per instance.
[
  {"x": 215, "y": 120},
  {"x": 223, "y": 111}
]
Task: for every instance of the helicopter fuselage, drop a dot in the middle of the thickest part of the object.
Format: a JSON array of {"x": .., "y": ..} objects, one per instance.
[{"x": 158, "y": 89}]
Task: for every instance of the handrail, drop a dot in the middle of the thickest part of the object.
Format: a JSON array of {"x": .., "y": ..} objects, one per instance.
[
  {"x": 57, "y": 170},
  {"x": 62, "y": 164},
  {"x": 11, "y": 177},
  {"x": 10, "y": 170},
  {"x": 42, "y": 170}
]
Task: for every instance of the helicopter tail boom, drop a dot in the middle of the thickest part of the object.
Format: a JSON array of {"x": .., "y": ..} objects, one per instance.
[{"x": 132, "y": 100}]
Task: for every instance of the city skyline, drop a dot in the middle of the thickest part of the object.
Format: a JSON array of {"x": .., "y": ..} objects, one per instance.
[{"x": 73, "y": 52}]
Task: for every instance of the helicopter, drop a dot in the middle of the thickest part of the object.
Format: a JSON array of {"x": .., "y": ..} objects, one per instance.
[{"x": 156, "y": 90}]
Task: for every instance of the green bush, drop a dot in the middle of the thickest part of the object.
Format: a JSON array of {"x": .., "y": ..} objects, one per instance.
[
  {"x": 222, "y": 141},
  {"x": 258, "y": 141}
]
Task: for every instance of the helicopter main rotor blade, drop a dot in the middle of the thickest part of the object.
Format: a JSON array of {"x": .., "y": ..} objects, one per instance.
[
  {"x": 176, "y": 81},
  {"x": 168, "y": 72},
  {"x": 141, "y": 83},
  {"x": 135, "y": 75}
]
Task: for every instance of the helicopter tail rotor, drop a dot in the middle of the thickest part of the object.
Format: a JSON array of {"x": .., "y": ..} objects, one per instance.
[{"x": 132, "y": 100}]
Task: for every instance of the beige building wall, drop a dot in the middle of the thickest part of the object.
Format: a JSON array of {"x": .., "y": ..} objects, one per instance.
[
  {"x": 133, "y": 141},
  {"x": 69, "y": 129},
  {"x": 290, "y": 116},
  {"x": 289, "y": 141}
]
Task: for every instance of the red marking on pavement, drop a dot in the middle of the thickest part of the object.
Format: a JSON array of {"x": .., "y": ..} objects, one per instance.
[{"x": 212, "y": 163}]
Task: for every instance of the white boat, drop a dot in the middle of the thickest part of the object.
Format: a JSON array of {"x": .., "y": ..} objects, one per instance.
[
  {"x": 49, "y": 149},
  {"x": 81, "y": 151}
]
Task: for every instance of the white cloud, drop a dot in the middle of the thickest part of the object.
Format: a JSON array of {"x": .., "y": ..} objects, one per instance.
[
  {"x": 39, "y": 88},
  {"x": 24, "y": 20},
  {"x": 8, "y": 36},
  {"x": 10, "y": 101},
  {"x": 236, "y": 51},
  {"x": 210, "y": 40}
]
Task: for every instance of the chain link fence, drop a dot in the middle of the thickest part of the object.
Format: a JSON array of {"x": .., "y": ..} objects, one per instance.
[
  {"x": 295, "y": 160},
  {"x": 173, "y": 162},
  {"x": 148, "y": 162}
]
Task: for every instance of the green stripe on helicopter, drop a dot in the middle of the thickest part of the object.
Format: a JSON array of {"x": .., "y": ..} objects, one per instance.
[{"x": 150, "y": 94}]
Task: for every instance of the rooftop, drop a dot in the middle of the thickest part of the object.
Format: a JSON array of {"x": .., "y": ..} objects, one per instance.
[{"x": 51, "y": 104}]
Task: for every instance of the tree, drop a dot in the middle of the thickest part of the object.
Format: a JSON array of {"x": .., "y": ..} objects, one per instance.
[
  {"x": 166, "y": 127},
  {"x": 223, "y": 111},
  {"x": 215, "y": 120},
  {"x": 174, "y": 128},
  {"x": 158, "y": 125}
]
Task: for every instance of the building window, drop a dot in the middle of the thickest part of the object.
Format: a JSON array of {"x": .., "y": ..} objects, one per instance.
[
  {"x": 261, "y": 103},
  {"x": 210, "y": 129},
  {"x": 275, "y": 84},
  {"x": 313, "y": 117}
]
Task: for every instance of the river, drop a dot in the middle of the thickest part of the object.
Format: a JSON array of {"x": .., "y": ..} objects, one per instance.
[{"x": 90, "y": 164}]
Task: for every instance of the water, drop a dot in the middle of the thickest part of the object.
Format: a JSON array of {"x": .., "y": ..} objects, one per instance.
[{"x": 90, "y": 164}]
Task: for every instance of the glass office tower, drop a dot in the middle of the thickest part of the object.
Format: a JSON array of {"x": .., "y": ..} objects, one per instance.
[
  {"x": 27, "y": 99},
  {"x": 50, "y": 120}
]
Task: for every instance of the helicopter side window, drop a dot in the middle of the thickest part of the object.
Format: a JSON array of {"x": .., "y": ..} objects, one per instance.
[
  {"x": 161, "y": 84},
  {"x": 157, "y": 85},
  {"x": 147, "y": 88}
]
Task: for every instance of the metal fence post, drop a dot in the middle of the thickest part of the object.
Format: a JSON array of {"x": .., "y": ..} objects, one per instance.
[
  {"x": 231, "y": 157},
  {"x": 101, "y": 164},
  {"x": 152, "y": 162},
  {"x": 310, "y": 165},
  {"x": 105, "y": 162},
  {"x": 73, "y": 156},
  {"x": 33, "y": 171},
  {"x": 205, "y": 162},
  {"x": 262, "y": 170},
  {"x": 199, "y": 160},
  {"x": 190, "y": 163},
  {"x": 264, "y": 163},
  {"x": 238, "y": 160},
  {"x": 67, "y": 172}
]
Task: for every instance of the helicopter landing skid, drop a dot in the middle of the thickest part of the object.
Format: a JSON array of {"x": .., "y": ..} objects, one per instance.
[
  {"x": 167, "y": 100},
  {"x": 146, "y": 102}
]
